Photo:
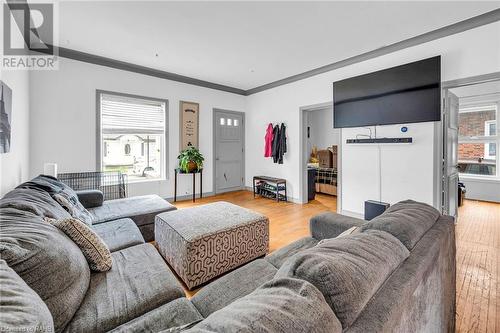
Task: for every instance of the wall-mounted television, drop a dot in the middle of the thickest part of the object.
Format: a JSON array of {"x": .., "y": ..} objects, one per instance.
[{"x": 409, "y": 93}]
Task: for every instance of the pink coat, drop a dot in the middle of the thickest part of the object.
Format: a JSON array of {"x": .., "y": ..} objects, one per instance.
[{"x": 268, "y": 149}]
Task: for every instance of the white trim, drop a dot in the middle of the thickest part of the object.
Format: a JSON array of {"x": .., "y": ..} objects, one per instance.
[
  {"x": 488, "y": 107},
  {"x": 487, "y": 132},
  {"x": 479, "y": 179}
]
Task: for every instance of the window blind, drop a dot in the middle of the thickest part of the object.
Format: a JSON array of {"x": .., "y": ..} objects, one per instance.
[{"x": 128, "y": 115}]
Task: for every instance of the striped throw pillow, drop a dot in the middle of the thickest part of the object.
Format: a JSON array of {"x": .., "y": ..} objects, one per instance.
[{"x": 92, "y": 246}]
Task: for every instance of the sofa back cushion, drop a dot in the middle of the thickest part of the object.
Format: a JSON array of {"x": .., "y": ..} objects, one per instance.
[
  {"x": 280, "y": 305},
  {"x": 34, "y": 200},
  {"x": 407, "y": 220},
  {"x": 21, "y": 309},
  {"x": 47, "y": 260},
  {"x": 65, "y": 196},
  {"x": 348, "y": 270}
]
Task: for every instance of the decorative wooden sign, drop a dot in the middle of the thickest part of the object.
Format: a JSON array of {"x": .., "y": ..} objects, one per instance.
[{"x": 189, "y": 122}]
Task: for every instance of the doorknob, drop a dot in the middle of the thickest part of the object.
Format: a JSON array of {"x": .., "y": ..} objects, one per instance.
[{"x": 216, "y": 158}]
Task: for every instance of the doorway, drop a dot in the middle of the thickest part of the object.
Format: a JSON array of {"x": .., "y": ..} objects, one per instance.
[
  {"x": 229, "y": 150},
  {"x": 320, "y": 154},
  {"x": 470, "y": 142}
]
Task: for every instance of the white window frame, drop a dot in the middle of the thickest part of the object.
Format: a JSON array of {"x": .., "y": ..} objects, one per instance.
[
  {"x": 487, "y": 132},
  {"x": 485, "y": 139},
  {"x": 99, "y": 136}
]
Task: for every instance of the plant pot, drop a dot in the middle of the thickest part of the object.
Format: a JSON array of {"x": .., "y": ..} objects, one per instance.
[{"x": 192, "y": 166}]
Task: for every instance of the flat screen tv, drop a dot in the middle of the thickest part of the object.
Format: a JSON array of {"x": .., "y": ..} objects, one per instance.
[{"x": 408, "y": 93}]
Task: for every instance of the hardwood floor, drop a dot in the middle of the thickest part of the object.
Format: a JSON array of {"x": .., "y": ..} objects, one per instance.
[
  {"x": 477, "y": 239},
  {"x": 287, "y": 221},
  {"x": 478, "y": 267}
]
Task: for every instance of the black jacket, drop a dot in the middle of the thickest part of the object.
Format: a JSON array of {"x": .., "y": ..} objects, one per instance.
[
  {"x": 276, "y": 143},
  {"x": 279, "y": 143},
  {"x": 282, "y": 145}
]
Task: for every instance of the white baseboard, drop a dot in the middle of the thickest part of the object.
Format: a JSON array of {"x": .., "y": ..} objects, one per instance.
[
  {"x": 189, "y": 197},
  {"x": 352, "y": 214}
]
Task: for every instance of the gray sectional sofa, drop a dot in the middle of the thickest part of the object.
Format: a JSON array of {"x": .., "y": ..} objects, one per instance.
[{"x": 395, "y": 274}]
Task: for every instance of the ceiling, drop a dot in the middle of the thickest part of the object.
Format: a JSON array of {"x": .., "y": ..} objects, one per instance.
[
  {"x": 248, "y": 44},
  {"x": 480, "y": 89}
]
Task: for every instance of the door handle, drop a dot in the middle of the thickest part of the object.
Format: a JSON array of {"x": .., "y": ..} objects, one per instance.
[
  {"x": 225, "y": 176},
  {"x": 216, "y": 158}
]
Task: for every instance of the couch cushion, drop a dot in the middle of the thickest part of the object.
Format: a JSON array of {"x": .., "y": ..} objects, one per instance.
[
  {"x": 407, "y": 220},
  {"x": 73, "y": 207},
  {"x": 232, "y": 286},
  {"x": 278, "y": 257},
  {"x": 21, "y": 309},
  {"x": 47, "y": 260},
  {"x": 92, "y": 246},
  {"x": 174, "y": 314},
  {"x": 34, "y": 200},
  {"x": 119, "y": 234},
  {"x": 420, "y": 295},
  {"x": 138, "y": 282},
  {"x": 348, "y": 270},
  {"x": 59, "y": 190},
  {"x": 142, "y": 209},
  {"x": 280, "y": 305}
]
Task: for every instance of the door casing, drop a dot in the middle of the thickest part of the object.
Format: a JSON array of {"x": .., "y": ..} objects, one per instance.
[
  {"x": 445, "y": 86},
  {"x": 450, "y": 155}
]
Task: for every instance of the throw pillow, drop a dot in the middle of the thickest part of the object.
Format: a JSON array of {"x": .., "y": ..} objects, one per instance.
[
  {"x": 74, "y": 207},
  {"x": 92, "y": 246}
]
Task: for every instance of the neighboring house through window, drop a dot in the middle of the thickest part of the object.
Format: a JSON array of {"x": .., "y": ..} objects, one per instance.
[
  {"x": 133, "y": 135},
  {"x": 478, "y": 141}
]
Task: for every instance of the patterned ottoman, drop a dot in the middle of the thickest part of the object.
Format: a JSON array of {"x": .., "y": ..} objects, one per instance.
[{"x": 203, "y": 242}]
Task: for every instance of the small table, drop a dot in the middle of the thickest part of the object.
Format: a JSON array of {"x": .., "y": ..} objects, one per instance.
[
  {"x": 178, "y": 171},
  {"x": 272, "y": 180}
]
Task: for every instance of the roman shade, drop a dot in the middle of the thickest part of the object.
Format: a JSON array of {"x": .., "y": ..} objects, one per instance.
[{"x": 124, "y": 115}]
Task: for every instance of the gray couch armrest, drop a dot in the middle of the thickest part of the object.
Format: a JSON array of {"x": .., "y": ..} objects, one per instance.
[
  {"x": 90, "y": 198},
  {"x": 330, "y": 225}
]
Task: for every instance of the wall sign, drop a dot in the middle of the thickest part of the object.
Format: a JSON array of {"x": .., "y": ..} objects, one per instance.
[{"x": 189, "y": 124}]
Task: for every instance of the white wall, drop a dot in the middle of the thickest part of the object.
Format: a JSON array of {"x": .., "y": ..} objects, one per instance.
[
  {"x": 63, "y": 119},
  {"x": 481, "y": 189},
  {"x": 323, "y": 135},
  {"x": 469, "y": 53}
]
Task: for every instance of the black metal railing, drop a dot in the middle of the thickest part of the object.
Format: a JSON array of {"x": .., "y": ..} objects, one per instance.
[{"x": 113, "y": 184}]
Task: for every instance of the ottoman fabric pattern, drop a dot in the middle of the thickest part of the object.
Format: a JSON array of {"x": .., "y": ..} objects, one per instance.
[{"x": 204, "y": 242}]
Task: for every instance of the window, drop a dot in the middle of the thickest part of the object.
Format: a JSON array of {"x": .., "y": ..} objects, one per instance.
[
  {"x": 127, "y": 149},
  {"x": 133, "y": 135},
  {"x": 478, "y": 141},
  {"x": 490, "y": 150}
]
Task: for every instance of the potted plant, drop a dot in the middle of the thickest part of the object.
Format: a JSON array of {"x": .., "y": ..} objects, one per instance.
[{"x": 190, "y": 160}]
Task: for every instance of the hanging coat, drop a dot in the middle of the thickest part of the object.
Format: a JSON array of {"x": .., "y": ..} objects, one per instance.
[
  {"x": 282, "y": 143},
  {"x": 276, "y": 142},
  {"x": 268, "y": 148}
]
